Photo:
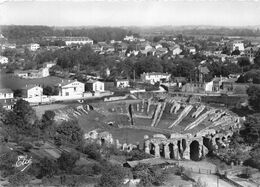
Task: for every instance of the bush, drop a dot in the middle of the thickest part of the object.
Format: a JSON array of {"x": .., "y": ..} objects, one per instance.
[
  {"x": 67, "y": 161},
  {"x": 137, "y": 155},
  {"x": 18, "y": 179},
  {"x": 27, "y": 146},
  {"x": 93, "y": 151}
]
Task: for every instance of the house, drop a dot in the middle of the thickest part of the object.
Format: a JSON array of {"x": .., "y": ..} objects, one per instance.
[
  {"x": 122, "y": 83},
  {"x": 154, "y": 77},
  {"x": 70, "y": 88},
  {"x": 216, "y": 84},
  {"x": 49, "y": 64},
  {"x": 33, "y": 74},
  {"x": 6, "y": 98},
  {"x": 32, "y": 91},
  {"x": 34, "y": 46},
  {"x": 192, "y": 50},
  {"x": 176, "y": 50},
  {"x": 95, "y": 86},
  {"x": 129, "y": 38},
  {"x": 3, "y": 60},
  {"x": 161, "y": 51},
  {"x": 237, "y": 45},
  {"x": 158, "y": 46}
]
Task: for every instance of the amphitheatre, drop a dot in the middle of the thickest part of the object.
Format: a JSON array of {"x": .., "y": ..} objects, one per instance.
[{"x": 167, "y": 126}]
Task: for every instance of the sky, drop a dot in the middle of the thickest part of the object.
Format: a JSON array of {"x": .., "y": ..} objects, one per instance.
[{"x": 131, "y": 12}]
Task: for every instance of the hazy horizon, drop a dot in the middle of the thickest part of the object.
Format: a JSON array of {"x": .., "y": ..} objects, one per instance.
[{"x": 131, "y": 13}]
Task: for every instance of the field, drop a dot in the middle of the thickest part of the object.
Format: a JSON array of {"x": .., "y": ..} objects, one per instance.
[{"x": 14, "y": 83}]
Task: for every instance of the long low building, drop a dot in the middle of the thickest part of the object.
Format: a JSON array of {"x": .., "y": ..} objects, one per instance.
[{"x": 71, "y": 40}]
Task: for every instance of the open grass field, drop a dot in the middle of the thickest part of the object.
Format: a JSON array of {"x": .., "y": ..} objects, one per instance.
[
  {"x": 128, "y": 135},
  {"x": 14, "y": 83}
]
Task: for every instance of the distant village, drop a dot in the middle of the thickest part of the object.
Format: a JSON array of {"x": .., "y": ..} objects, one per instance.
[{"x": 227, "y": 49}]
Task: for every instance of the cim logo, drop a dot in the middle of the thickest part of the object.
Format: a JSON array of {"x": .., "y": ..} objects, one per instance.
[{"x": 23, "y": 162}]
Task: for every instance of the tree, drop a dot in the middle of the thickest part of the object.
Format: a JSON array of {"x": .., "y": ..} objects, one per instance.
[
  {"x": 112, "y": 176},
  {"x": 243, "y": 62},
  {"x": 7, "y": 161},
  {"x": 48, "y": 90},
  {"x": 48, "y": 124},
  {"x": 254, "y": 97},
  {"x": 70, "y": 132},
  {"x": 22, "y": 120},
  {"x": 149, "y": 175},
  {"x": 148, "y": 64},
  {"x": 138, "y": 155},
  {"x": 250, "y": 132},
  {"x": 235, "y": 52},
  {"x": 257, "y": 60},
  {"x": 47, "y": 167},
  {"x": 93, "y": 151},
  {"x": 19, "y": 179},
  {"x": 67, "y": 161}
]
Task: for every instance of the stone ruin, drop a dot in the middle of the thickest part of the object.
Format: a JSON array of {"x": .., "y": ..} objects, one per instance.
[
  {"x": 69, "y": 113},
  {"x": 105, "y": 138},
  {"x": 185, "y": 146}
]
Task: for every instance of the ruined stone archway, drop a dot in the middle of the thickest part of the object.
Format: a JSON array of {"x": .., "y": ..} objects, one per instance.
[
  {"x": 208, "y": 144},
  {"x": 179, "y": 148},
  {"x": 152, "y": 149},
  {"x": 171, "y": 150},
  {"x": 184, "y": 144},
  {"x": 194, "y": 150},
  {"x": 162, "y": 153}
]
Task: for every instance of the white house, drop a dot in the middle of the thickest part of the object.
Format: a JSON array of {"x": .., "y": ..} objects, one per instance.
[
  {"x": 32, "y": 91},
  {"x": 176, "y": 50},
  {"x": 71, "y": 88},
  {"x": 158, "y": 46},
  {"x": 3, "y": 60},
  {"x": 49, "y": 64},
  {"x": 96, "y": 86},
  {"x": 122, "y": 83},
  {"x": 129, "y": 38},
  {"x": 154, "y": 77},
  {"x": 6, "y": 98},
  {"x": 192, "y": 50},
  {"x": 237, "y": 45},
  {"x": 34, "y": 46},
  {"x": 33, "y": 74}
]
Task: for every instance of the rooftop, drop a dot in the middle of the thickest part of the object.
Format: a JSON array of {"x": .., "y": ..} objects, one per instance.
[{"x": 5, "y": 90}]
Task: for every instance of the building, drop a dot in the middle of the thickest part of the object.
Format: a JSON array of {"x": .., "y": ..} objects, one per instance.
[
  {"x": 71, "y": 88},
  {"x": 77, "y": 40},
  {"x": 129, "y": 38},
  {"x": 34, "y": 46},
  {"x": 6, "y": 98},
  {"x": 155, "y": 77},
  {"x": 176, "y": 50},
  {"x": 49, "y": 64},
  {"x": 33, "y": 74},
  {"x": 192, "y": 50},
  {"x": 3, "y": 60},
  {"x": 237, "y": 45},
  {"x": 122, "y": 83},
  {"x": 95, "y": 86},
  {"x": 71, "y": 40},
  {"x": 32, "y": 91}
]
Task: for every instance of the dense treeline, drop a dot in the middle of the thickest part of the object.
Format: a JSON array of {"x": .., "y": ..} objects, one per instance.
[
  {"x": 26, "y": 34},
  {"x": 197, "y": 30}
]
